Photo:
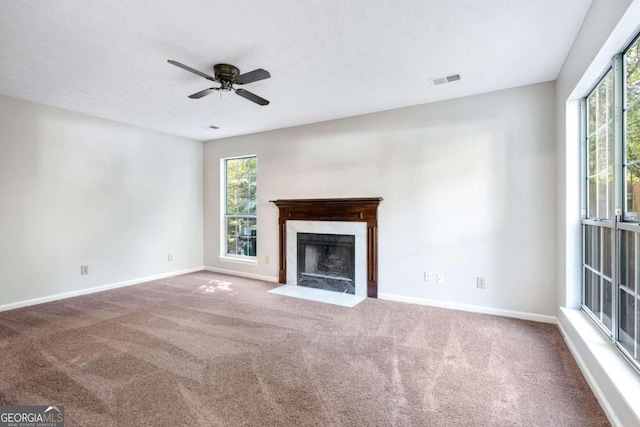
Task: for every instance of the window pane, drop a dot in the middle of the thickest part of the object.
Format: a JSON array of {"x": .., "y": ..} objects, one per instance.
[
  {"x": 592, "y": 247},
  {"x": 632, "y": 145},
  {"x": 591, "y": 114},
  {"x": 232, "y": 198},
  {"x": 594, "y": 303},
  {"x": 638, "y": 330},
  {"x": 238, "y": 204},
  {"x": 602, "y": 103},
  {"x": 247, "y": 205},
  {"x": 592, "y": 155},
  {"x": 627, "y": 259},
  {"x": 246, "y": 226},
  {"x": 231, "y": 226},
  {"x": 607, "y": 303},
  {"x": 632, "y": 133},
  {"x": 232, "y": 247},
  {"x": 632, "y": 73},
  {"x": 592, "y": 188},
  {"x": 241, "y": 185},
  {"x": 609, "y": 176},
  {"x": 632, "y": 194},
  {"x": 606, "y": 251},
  {"x": 588, "y": 287},
  {"x": 627, "y": 321},
  {"x": 241, "y": 236},
  {"x": 610, "y": 98},
  {"x": 605, "y": 195},
  {"x": 247, "y": 246},
  {"x": 602, "y": 148}
]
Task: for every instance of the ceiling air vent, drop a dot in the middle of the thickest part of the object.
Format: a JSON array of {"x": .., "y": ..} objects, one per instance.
[{"x": 442, "y": 80}]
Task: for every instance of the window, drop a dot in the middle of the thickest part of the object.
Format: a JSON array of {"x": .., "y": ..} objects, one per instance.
[
  {"x": 629, "y": 308},
  {"x": 611, "y": 203},
  {"x": 600, "y": 149},
  {"x": 598, "y": 225},
  {"x": 240, "y": 237}
]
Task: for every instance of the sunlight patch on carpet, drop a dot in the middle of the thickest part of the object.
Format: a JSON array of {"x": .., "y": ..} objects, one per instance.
[{"x": 216, "y": 285}]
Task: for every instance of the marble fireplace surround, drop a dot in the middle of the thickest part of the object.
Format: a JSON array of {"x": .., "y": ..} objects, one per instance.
[
  {"x": 357, "y": 229},
  {"x": 361, "y": 211}
]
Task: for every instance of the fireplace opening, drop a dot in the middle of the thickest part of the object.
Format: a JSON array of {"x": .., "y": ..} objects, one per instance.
[{"x": 327, "y": 261}]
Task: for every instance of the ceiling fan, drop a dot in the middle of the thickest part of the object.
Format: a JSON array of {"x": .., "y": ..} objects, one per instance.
[{"x": 228, "y": 75}]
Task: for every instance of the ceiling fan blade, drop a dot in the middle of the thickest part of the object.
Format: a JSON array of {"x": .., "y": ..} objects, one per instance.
[
  {"x": 252, "y": 97},
  {"x": 252, "y": 76},
  {"x": 184, "y": 67},
  {"x": 202, "y": 93}
]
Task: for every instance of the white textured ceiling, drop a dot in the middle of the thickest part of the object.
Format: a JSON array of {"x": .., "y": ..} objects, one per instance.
[{"x": 328, "y": 58}]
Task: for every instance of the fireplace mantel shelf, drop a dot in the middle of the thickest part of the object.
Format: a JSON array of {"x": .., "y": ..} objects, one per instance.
[{"x": 362, "y": 209}]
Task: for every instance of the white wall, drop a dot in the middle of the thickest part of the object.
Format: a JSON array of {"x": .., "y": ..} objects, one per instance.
[
  {"x": 80, "y": 190},
  {"x": 469, "y": 188}
]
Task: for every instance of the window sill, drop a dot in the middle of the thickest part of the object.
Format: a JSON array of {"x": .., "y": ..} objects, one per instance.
[
  {"x": 614, "y": 382},
  {"x": 244, "y": 261}
]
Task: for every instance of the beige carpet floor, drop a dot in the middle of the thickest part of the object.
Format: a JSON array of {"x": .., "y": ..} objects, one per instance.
[{"x": 205, "y": 349}]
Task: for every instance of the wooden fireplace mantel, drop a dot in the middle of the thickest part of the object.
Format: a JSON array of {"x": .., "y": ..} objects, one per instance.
[{"x": 364, "y": 209}]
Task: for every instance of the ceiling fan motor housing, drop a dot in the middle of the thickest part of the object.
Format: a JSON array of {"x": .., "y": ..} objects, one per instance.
[{"x": 225, "y": 74}]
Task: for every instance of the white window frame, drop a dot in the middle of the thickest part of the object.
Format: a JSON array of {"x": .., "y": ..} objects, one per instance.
[
  {"x": 621, "y": 221},
  {"x": 224, "y": 256}
]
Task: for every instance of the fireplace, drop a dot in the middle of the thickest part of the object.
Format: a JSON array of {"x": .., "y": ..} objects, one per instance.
[
  {"x": 332, "y": 261},
  {"x": 356, "y": 218},
  {"x": 327, "y": 261}
]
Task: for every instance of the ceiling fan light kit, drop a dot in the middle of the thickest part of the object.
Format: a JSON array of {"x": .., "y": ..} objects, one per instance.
[{"x": 228, "y": 75}]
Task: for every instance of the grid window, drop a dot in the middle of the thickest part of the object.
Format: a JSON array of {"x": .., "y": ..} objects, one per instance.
[
  {"x": 632, "y": 131},
  {"x": 600, "y": 150},
  {"x": 597, "y": 270},
  {"x": 629, "y": 287},
  {"x": 611, "y": 206},
  {"x": 597, "y": 273},
  {"x": 240, "y": 237}
]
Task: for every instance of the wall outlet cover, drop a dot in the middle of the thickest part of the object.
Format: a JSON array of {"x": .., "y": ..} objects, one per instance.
[{"x": 480, "y": 283}]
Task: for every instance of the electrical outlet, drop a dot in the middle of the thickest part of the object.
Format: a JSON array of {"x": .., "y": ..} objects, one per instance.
[
  {"x": 169, "y": 257},
  {"x": 266, "y": 259},
  {"x": 427, "y": 276},
  {"x": 480, "y": 282},
  {"x": 84, "y": 270},
  {"x": 440, "y": 278}
]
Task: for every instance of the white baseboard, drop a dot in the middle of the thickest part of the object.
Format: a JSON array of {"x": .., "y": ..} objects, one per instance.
[
  {"x": 41, "y": 300},
  {"x": 242, "y": 274},
  {"x": 468, "y": 307}
]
